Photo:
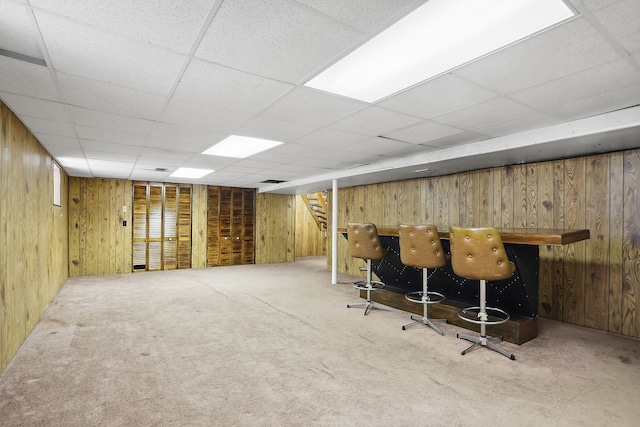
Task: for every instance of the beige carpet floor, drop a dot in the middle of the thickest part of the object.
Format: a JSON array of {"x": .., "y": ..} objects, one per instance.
[{"x": 275, "y": 345}]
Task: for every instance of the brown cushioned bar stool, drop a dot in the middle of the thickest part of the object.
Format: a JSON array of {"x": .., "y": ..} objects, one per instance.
[
  {"x": 420, "y": 247},
  {"x": 364, "y": 243},
  {"x": 478, "y": 254}
]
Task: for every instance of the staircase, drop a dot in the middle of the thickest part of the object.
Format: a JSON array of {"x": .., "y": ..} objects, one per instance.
[{"x": 317, "y": 205}]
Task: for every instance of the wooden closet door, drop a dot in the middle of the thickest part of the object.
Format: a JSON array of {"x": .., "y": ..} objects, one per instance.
[
  {"x": 225, "y": 226},
  {"x": 230, "y": 226},
  {"x": 161, "y": 226},
  {"x": 184, "y": 226},
  {"x": 139, "y": 226},
  {"x": 248, "y": 226},
  {"x": 170, "y": 228},
  {"x": 213, "y": 226},
  {"x": 237, "y": 232},
  {"x": 154, "y": 237}
]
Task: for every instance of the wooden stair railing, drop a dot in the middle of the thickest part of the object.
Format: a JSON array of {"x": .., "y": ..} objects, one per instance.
[{"x": 317, "y": 205}]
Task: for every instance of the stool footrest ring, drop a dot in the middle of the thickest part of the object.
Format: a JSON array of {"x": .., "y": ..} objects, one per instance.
[
  {"x": 495, "y": 316},
  {"x": 374, "y": 285},
  {"x": 420, "y": 298}
]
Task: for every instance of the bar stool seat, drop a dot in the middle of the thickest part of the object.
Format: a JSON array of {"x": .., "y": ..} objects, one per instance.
[
  {"x": 420, "y": 247},
  {"x": 478, "y": 254},
  {"x": 364, "y": 243}
]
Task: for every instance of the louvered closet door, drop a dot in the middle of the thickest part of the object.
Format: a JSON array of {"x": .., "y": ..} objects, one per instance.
[
  {"x": 230, "y": 226},
  {"x": 162, "y": 226},
  {"x": 213, "y": 226},
  {"x": 184, "y": 226},
  {"x": 139, "y": 227},
  {"x": 170, "y": 228}
]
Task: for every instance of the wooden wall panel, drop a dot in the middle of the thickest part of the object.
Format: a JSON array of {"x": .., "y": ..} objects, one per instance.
[
  {"x": 616, "y": 227},
  {"x": 199, "y": 226},
  {"x": 631, "y": 246},
  {"x": 99, "y": 241},
  {"x": 545, "y": 219},
  {"x": 275, "y": 222},
  {"x": 310, "y": 240},
  {"x": 34, "y": 242},
  {"x": 595, "y": 283}
]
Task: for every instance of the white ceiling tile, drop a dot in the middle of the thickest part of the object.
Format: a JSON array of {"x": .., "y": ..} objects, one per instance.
[
  {"x": 100, "y": 96},
  {"x": 612, "y": 101},
  {"x": 378, "y": 146},
  {"x": 59, "y": 151},
  {"x": 438, "y": 96},
  {"x": 423, "y": 132},
  {"x": 220, "y": 87},
  {"x": 35, "y": 107},
  {"x": 189, "y": 146},
  {"x": 622, "y": 20},
  {"x": 78, "y": 49},
  {"x": 201, "y": 116},
  {"x": 23, "y": 78},
  {"x": 99, "y": 119},
  {"x": 590, "y": 83},
  {"x": 309, "y": 106},
  {"x": 288, "y": 46},
  {"x": 17, "y": 33},
  {"x": 108, "y": 135},
  {"x": 457, "y": 139},
  {"x": 374, "y": 121},
  {"x": 494, "y": 111},
  {"x": 107, "y": 147},
  {"x": 560, "y": 51},
  {"x": 519, "y": 124},
  {"x": 52, "y": 127},
  {"x": 186, "y": 134},
  {"x": 330, "y": 138},
  {"x": 174, "y": 24},
  {"x": 50, "y": 141},
  {"x": 597, "y": 4},
  {"x": 276, "y": 130},
  {"x": 365, "y": 15},
  {"x": 156, "y": 153},
  {"x": 118, "y": 158},
  {"x": 148, "y": 175}
]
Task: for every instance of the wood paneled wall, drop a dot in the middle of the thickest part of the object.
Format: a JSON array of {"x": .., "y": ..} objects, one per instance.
[
  {"x": 275, "y": 224},
  {"x": 99, "y": 243},
  {"x": 33, "y": 233},
  {"x": 310, "y": 240},
  {"x": 595, "y": 283},
  {"x": 199, "y": 226}
]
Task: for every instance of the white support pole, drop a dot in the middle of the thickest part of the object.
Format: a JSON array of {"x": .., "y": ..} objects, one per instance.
[{"x": 334, "y": 233}]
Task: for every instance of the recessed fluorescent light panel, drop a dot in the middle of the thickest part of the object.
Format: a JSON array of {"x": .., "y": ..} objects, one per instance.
[
  {"x": 240, "y": 147},
  {"x": 190, "y": 173},
  {"x": 437, "y": 37}
]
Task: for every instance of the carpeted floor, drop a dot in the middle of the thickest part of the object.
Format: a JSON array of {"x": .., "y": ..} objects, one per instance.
[{"x": 275, "y": 345}]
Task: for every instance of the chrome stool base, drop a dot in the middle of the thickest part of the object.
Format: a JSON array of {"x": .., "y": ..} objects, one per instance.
[
  {"x": 420, "y": 297},
  {"x": 363, "y": 285},
  {"x": 488, "y": 342},
  {"x": 484, "y": 316},
  {"x": 421, "y": 320}
]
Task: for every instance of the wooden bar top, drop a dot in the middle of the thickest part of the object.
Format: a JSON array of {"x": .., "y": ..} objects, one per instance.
[{"x": 523, "y": 236}]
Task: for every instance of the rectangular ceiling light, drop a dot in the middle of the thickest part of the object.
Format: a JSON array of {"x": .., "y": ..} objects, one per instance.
[
  {"x": 240, "y": 147},
  {"x": 437, "y": 37},
  {"x": 190, "y": 173}
]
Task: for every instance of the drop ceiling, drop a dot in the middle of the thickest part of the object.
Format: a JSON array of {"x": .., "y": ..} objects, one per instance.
[{"x": 136, "y": 89}]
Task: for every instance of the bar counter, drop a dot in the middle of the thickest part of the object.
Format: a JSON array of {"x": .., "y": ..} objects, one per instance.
[{"x": 517, "y": 295}]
